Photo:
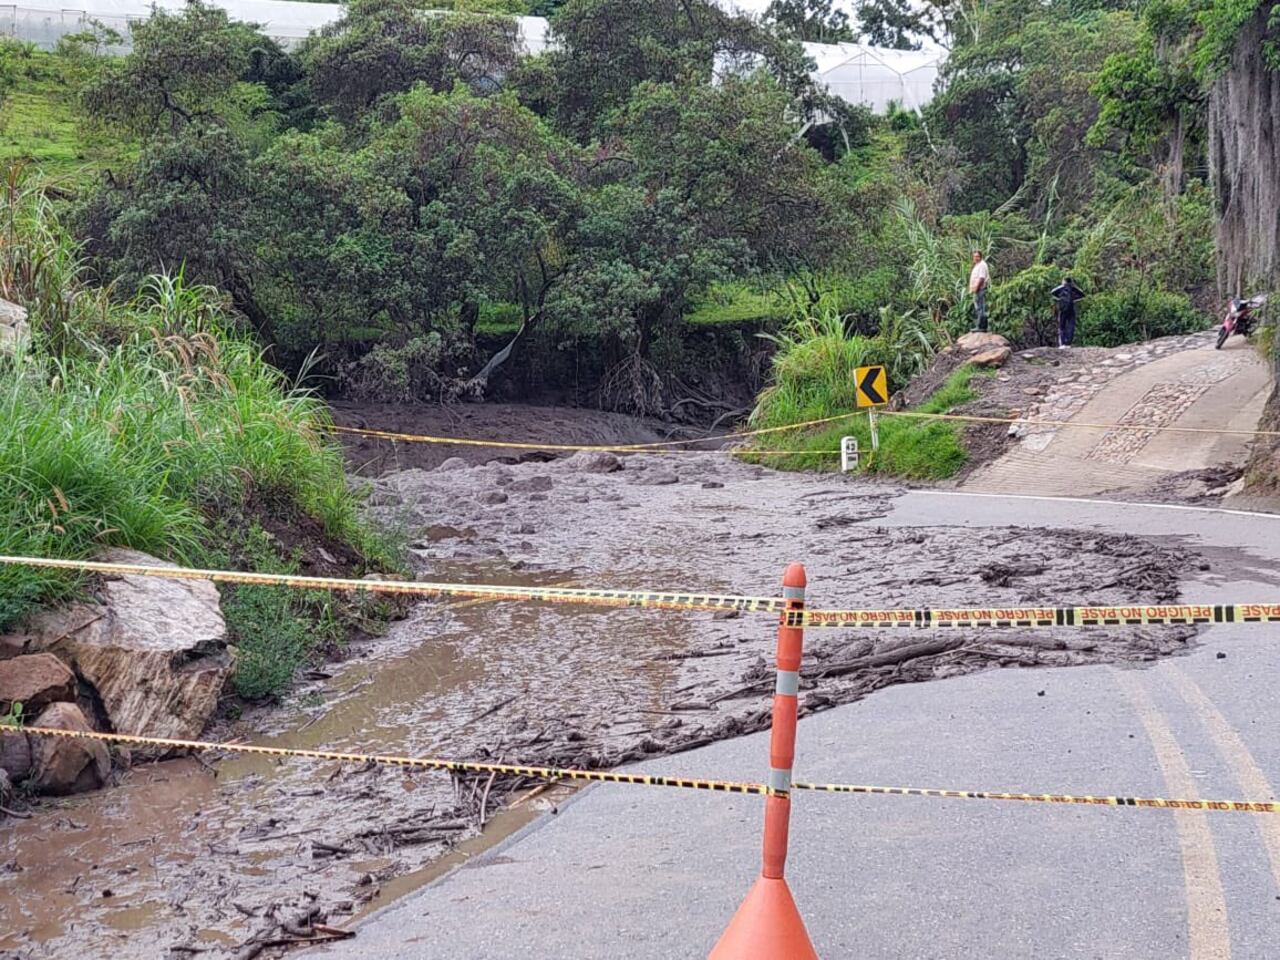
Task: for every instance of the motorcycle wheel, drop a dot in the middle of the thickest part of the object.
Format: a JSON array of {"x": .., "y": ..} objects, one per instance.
[{"x": 1222, "y": 337}]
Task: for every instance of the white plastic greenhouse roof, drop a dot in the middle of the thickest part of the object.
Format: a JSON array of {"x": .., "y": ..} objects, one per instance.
[{"x": 865, "y": 75}]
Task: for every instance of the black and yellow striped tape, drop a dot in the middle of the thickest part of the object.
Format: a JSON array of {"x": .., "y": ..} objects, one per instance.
[
  {"x": 1041, "y": 616},
  {"x": 1150, "y": 803},
  {"x": 653, "y": 599},
  {"x": 994, "y": 617},
  {"x": 647, "y": 779},
  {"x": 423, "y": 763}
]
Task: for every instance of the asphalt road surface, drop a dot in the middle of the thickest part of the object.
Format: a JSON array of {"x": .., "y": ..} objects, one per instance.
[{"x": 631, "y": 872}]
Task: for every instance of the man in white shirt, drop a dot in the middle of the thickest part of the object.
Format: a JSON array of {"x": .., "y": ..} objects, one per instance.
[{"x": 979, "y": 277}]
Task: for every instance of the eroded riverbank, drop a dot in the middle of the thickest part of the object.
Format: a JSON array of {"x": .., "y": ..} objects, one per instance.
[{"x": 197, "y": 861}]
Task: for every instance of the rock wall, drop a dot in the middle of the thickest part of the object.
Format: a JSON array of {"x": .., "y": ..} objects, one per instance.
[
  {"x": 1244, "y": 165},
  {"x": 1244, "y": 168}
]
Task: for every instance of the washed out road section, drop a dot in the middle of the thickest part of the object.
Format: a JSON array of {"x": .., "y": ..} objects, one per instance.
[
  {"x": 656, "y": 875},
  {"x": 553, "y": 685}
]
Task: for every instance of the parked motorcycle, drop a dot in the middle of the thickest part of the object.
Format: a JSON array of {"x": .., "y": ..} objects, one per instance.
[{"x": 1239, "y": 318}]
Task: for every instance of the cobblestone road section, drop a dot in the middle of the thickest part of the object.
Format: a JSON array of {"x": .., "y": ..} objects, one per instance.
[{"x": 1177, "y": 381}]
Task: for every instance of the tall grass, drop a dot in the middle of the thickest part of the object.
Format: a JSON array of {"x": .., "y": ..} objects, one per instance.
[
  {"x": 813, "y": 379},
  {"x": 134, "y": 436}
]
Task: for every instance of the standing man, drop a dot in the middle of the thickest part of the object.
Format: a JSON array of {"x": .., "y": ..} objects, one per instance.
[
  {"x": 979, "y": 277},
  {"x": 1065, "y": 296}
]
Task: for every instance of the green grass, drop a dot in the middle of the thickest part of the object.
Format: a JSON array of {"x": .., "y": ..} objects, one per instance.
[
  {"x": 499, "y": 318},
  {"x": 131, "y": 425},
  {"x": 275, "y": 630},
  {"x": 739, "y": 303},
  {"x": 911, "y": 448},
  {"x": 40, "y": 122}
]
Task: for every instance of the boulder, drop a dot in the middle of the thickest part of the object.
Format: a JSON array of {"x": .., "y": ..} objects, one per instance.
[
  {"x": 977, "y": 342},
  {"x": 537, "y": 484},
  {"x": 995, "y": 357},
  {"x": 154, "y": 650},
  {"x": 35, "y": 680},
  {"x": 63, "y": 764},
  {"x": 14, "y": 329},
  {"x": 594, "y": 461},
  {"x": 657, "y": 477},
  {"x": 16, "y": 758}
]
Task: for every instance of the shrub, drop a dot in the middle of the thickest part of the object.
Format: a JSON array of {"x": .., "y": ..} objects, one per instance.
[
  {"x": 1022, "y": 309},
  {"x": 1114, "y": 318}
]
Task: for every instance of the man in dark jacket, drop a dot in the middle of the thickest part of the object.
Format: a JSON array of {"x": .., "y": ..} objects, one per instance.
[{"x": 1065, "y": 295}]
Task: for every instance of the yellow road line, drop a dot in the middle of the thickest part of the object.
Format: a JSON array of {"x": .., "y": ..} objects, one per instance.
[
  {"x": 1208, "y": 937},
  {"x": 1243, "y": 766}
]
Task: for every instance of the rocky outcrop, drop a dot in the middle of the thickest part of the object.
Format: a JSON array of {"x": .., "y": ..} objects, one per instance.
[
  {"x": 14, "y": 329},
  {"x": 65, "y": 765},
  {"x": 153, "y": 650},
  {"x": 1244, "y": 164},
  {"x": 984, "y": 349},
  {"x": 35, "y": 681}
]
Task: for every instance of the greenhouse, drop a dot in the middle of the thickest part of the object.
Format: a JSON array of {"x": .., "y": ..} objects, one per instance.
[{"x": 871, "y": 76}]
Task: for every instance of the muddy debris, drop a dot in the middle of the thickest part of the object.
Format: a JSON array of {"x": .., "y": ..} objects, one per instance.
[{"x": 270, "y": 853}]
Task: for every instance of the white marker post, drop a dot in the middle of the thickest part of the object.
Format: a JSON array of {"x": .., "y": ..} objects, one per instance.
[
  {"x": 875, "y": 433},
  {"x": 848, "y": 454}
]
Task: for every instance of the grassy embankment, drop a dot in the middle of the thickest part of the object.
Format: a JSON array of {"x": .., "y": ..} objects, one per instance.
[
  {"x": 40, "y": 123},
  {"x": 148, "y": 423},
  {"x": 813, "y": 379}
]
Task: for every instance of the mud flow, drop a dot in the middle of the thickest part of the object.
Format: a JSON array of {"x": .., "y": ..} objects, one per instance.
[{"x": 194, "y": 855}]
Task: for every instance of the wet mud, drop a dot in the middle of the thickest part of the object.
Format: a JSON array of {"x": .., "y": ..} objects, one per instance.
[{"x": 190, "y": 856}]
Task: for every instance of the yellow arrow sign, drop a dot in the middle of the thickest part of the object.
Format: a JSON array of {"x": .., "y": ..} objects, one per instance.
[{"x": 872, "y": 385}]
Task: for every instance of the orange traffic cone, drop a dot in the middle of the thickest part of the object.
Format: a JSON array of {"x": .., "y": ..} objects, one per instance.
[{"x": 768, "y": 926}]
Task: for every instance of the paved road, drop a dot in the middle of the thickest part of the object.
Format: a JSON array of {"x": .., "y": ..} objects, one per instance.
[
  {"x": 649, "y": 873},
  {"x": 1199, "y": 388}
]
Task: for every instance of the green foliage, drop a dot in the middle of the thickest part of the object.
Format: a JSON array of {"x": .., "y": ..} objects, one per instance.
[
  {"x": 1221, "y": 22},
  {"x": 13, "y": 718},
  {"x": 275, "y": 630},
  {"x": 383, "y": 47},
  {"x": 39, "y": 122},
  {"x": 131, "y": 442},
  {"x": 812, "y": 21},
  {"x": 1021, "y": 308},
  {"x": 1112, "y": 319},
  {"x": 911, "y": 448},
  {"x": 812, "y": 375}
]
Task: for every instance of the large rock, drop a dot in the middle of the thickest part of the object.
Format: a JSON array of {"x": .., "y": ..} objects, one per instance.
[
  {"x": 14, "y": 329},
  {"x": 594, "y": 461},
  {"x": 978, "y": 342},
  {"x": 995, "y": 357},
  {"x": 35, "y": 680},
  {"x": 155, "y": 650},
  {"x": 66, "y": 764},
  {"x": 16, "y": 758}
]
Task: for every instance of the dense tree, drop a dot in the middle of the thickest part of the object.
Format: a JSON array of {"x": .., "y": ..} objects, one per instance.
[
  {"x": 813, "y": 21},
  {"x": 196, "y": 66},
  {"x": 383, "y": 47}
]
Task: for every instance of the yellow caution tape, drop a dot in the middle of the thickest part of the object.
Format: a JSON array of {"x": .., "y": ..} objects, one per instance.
[
  {"x": 1151, "y": 803},
  {"x": 993, "y": 617},
  {"x": 661, "y": 446},
  {"x": 601, "y": 598},
  {"x": 1040, "y": 616},
  {"x": 643, "y": 779},
  {"x": 425, "y": 763}
]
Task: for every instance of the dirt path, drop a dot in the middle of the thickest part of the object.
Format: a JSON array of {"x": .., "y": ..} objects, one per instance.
[
  {"x": 1191, "y": 386},
  {"x": 180, "y": 859}
]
